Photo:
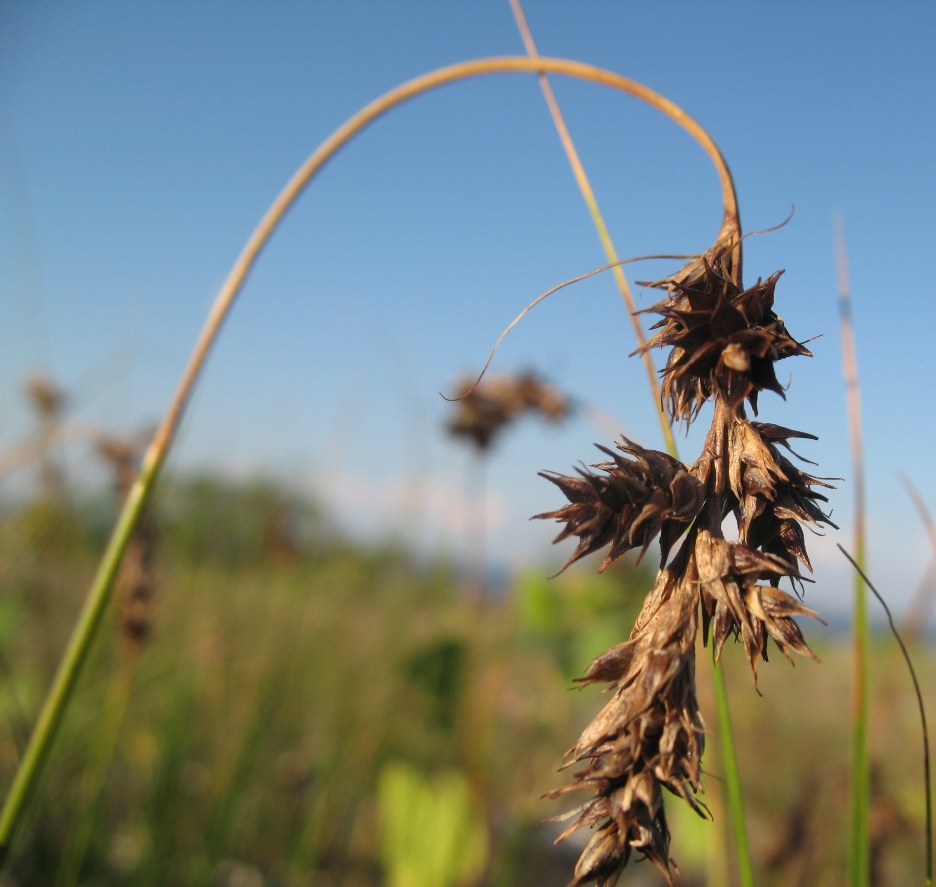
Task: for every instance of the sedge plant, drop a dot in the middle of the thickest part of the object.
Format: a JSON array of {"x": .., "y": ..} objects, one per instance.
[{"x": 724, "y": 340}]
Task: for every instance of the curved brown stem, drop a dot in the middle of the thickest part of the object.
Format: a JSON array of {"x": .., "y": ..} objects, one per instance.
[{"x": 98, "y": 595}]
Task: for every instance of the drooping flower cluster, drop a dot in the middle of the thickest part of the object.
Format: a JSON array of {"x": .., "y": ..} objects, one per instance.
[
  {"x": 489, "y": 406},
  {"x": 724, "y": 343}
]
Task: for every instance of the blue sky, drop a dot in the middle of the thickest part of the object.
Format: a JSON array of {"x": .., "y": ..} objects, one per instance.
[{"x": 141, "y": 142}]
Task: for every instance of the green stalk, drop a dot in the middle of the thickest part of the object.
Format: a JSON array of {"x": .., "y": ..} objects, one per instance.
[
  {"x": 924, "y": 730},
  {"x": 79, "y": 835},
  {"x": 63, "y": 684},
  {"x": 729, "y": 759},
  {"x": 732, "y": 776},
  {"x": 591, "y": 202},
  {"x": 74, "y": 657},
  {"x": 859, "y": 826}
]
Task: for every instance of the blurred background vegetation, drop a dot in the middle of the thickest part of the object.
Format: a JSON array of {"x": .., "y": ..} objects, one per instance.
[{"x": 275, "y": 704}]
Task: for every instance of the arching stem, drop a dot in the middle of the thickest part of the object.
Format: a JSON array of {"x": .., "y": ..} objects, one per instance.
[{"x": 99, "y": 593}]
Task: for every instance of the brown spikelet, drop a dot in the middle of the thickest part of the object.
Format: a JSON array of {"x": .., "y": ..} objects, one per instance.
[
  {"x": 629, "y": 505},
  {"x": 648, "y": 737},
  {"x": 724, "y": 340},
  {"x": 773, "y": 496}
]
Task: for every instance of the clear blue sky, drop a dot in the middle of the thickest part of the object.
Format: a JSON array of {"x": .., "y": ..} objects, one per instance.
[{"x": 141, "y": 142}]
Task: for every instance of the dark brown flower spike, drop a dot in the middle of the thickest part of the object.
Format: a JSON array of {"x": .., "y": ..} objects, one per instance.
[
  {"x": 736, "y": 603},
  {"x": 648, "y": 737},
  {"x": 628, "y": 506},
  {"x": 773, "y": 496},
  {"x": 724, "y": 341}
]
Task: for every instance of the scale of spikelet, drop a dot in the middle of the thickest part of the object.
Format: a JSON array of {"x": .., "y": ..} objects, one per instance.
[
  {"x": 724, "y": 341},
  {"x": 649, "y": 737}
]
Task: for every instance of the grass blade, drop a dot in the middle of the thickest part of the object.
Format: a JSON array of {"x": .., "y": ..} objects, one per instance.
[
  {"x": 588, "y": 195},
  {"x": 919, "y": 698},
  {"x": 859, "y": 832},
  {"x": 918, "y": 613},
  {"x": 732, "y": 776}
]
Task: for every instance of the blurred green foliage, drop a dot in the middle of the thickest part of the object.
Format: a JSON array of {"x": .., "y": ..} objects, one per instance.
[
  {"x": 291, "y": 676},
  {"x": 432, "y": 834}
]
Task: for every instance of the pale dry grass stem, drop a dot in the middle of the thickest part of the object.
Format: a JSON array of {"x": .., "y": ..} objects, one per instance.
[
  {"x": 917, "y": 618},
  {"x": 591, "y": 201}
]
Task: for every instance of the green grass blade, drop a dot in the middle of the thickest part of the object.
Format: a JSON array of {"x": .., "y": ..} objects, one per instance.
[
  {"x": 56, "y": 701},
  {"x": 99, "y": 594},
  {"x": 859, "y": 830},
  {"x": 927, "y": 779}
]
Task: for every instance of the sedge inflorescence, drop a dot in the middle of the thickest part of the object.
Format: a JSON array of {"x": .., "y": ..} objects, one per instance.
[{"x": 724, "y": 342}]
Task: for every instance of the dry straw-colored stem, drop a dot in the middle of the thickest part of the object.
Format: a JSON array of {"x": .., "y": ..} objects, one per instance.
[
  {"x": 591, "y": 201},
  {"x": 99, "y": 593},
  {"x": 917, "y": 615}
]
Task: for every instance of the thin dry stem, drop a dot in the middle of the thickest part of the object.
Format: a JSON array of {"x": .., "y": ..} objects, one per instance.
[
  {"x": 852, "y": 387},
  {"x": 543, "y": 296},
  {"x": 591, "y": 201},
  {"x": 62, "y": 433},
  {"x": 921, "y": 605},
  {"x": 729, "y": 231}
]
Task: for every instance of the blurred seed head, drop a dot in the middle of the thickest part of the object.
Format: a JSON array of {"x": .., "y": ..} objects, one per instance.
[
  {"x": 46, "y": 398},
  {"x": 137, "y": 578},
  {"x": 485, "y": 409}
]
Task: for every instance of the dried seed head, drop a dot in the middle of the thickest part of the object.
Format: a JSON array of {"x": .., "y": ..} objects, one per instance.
[
  {"x": 489, "y": 407},
  {"x": 649, "y": 736},
  {"x": 724, "y": 339},
  {"x": 627, "y": 506},
  {"x": 136, "y": 580},
  {"x": 48, "y": 400}
]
